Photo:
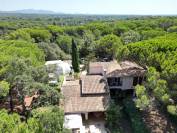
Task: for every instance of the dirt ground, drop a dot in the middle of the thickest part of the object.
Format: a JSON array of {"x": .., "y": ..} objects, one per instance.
[{"x": 157, "y": 122}]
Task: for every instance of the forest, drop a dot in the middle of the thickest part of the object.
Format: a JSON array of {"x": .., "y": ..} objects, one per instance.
[{"x": 27, "y": 41}]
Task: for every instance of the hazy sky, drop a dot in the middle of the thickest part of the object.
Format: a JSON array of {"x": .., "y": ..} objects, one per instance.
[{"x": 95, "y": 6}]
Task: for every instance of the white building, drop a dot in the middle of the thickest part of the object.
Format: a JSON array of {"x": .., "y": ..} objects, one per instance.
[{"x": 56, "y": 68}]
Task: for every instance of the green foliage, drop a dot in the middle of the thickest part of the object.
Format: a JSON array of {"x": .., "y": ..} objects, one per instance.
[
  {"x": 148, "y": 34},
  {"x": 142, "y": 100},
  {"x": 172, "y": 111},
  {"x": 4, "y": 88},
  {"x": 55, "y": 31},
  {"x": 50, "y": 118},
  {"x": 64, "y": 42},
  {"x": 172, "y": 29},
  {"x": 39, "y": 34},
  {"x": 52, "y": 51},
  {"x": 130, "y": 37},
  {"x": 47, "y": 95},
  {"x": 158, "y": 86},
  {"x": 161, "y": 91},
  {"x": 160, "y": 53},
  {"x": 18, "y": 49},
  {"x": 45, "y": 120},
  {"x": 75, "y": 57},
  {"x": 152, "y": 77},
  {"x": 107, "y": 46},
  {"x": 88, "y": 45},
  {"x": 20, "y": 34},
  {"x": 137, "y": 123},
  {"x": 113, "y": 116},
  {"x": 8, "y": 122}
]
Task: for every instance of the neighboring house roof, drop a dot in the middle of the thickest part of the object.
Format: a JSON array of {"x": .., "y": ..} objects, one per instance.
[
  {"x": 108, "y": 66},
  {"x": 125, "y": 68},
  {"x": 93, "y": 84},
  {"x": 76, "y": 103},
  {"x": 126, "y": 72},
  {"x": 130, "y": 65},
  {"x": 28, "y": 100}
]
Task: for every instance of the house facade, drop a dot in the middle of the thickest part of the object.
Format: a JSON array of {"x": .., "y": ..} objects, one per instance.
[{"x": 123, "y": 76}]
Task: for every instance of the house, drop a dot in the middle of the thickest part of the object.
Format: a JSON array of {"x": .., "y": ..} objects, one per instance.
[
  {"x": 121, "y": 77},
  {"x": 87, "y": 99}
]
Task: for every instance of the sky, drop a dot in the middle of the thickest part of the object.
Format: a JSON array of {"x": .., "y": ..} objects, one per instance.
[{"x": 138, "y": 7}]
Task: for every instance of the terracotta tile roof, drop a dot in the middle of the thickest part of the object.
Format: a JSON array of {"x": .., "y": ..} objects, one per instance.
[
  {"x": 125, "y": 68},
  {"x": 93, "y": 84},
  {"x": 130, "y": 65},
  {"x": 126, "y": 72},
  {"x": 108, "y": 66},
  {"x": 85, "y": 104},
  {"x": 74, "y": 102},
  {"x": 28, "y": 100}
]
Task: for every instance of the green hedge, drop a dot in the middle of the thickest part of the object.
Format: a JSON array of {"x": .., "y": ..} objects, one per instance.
[{"x": 137, "y": 123}]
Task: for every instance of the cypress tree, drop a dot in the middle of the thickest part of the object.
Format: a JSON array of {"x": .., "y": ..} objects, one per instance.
[{"x": 75, "y": 57}]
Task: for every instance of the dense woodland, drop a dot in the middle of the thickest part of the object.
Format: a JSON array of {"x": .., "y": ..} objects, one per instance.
[{"x": 27, "y": 41}]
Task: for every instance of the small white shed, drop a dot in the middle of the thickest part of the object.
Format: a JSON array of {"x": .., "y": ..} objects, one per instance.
[{"x": 59, "y": 67}]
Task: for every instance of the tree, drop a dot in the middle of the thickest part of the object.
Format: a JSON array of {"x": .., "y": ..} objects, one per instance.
[
  {"x": 51, "y": 119},
  {"x": 55, "y": 31},
  {"x": 161, "y": 91},
  {"x": 47, "y": 95},
  {"x": 8, "y": 122},
  {"x": 87, "y": 47},
  {"x": 52, "y": 51},
  {"x": 113, "y": 116},
  {"x": 20, "y": 34},
  {"x": 4, "y": 89},
  {"x": 107, "y": 46},
  {"x": 11, "y": 49},
  {"x": 75, "y": 57},
  {"x": 64, "y": 42},
  {"x": 130, "y": 37},
  {"x": 149, "y": 34},
  {"x": 172, "y": 29},
  {"x": 142, "y": 100},
  {"x": 25, "y": 79}
]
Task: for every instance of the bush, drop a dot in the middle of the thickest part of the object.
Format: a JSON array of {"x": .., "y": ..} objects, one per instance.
[
  {"x": 138, "y": 125},
  {"x": 113, "y": 116},
  {"x": 172, "y": 111}
]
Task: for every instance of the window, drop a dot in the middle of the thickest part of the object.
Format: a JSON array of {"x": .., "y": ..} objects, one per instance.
[
  {"x": 116, "y": 81},
  {"x": 76, "y": 130},
  {"x": 135, "y": 81},
  {"x": 140, "y": 80}
]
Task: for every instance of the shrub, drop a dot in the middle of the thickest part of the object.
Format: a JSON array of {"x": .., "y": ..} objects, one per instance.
[{"x": 138, "y": 125}]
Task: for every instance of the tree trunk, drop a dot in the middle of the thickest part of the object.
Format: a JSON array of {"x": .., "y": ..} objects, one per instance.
[{"x": 11, "y": 100}]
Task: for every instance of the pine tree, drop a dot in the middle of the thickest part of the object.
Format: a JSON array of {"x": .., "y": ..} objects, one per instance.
[{"x": 75, "y": 57}]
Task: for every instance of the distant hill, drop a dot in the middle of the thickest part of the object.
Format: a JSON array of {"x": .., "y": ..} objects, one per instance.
[{"x": 30, "y": 11}]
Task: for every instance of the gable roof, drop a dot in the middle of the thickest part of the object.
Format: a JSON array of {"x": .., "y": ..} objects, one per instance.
[
  {"x": 125, "y": 68},
  {"x": 74, "y": 102},
  {"x": 108, "y": 66},
  {"x": 126, "y": 72},
  {"x": 93, "y": 84},
  {"x": 130, "y": 65}
]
